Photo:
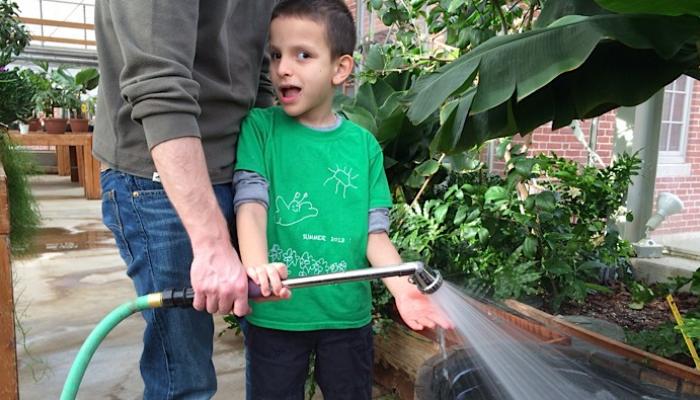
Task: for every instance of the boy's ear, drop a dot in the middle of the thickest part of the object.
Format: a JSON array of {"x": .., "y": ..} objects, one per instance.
[{"x": 343, "y": 68}]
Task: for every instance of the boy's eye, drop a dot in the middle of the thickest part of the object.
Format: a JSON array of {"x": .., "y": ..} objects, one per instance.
[
  {"x": 275, "y": 55},
  {"x": 302, "y": 55}
]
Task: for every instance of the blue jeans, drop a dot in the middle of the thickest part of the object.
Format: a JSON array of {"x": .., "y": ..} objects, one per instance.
[
  {"x": 277, "y": 362},
  {"x": 176, "y": 359}
]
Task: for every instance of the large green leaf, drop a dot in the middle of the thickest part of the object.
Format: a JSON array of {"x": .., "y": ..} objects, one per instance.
[
  {"x": 88, "y": 78},
  {"x": 451, "y": 129},
  {"x": 374, "y": 59},
  {"x": 589, "y": 91},
  {"x": 577, "y": 67},
  {"x": 431, "y": 90},
  {"x": 660, "y": 7},
  {"x": 365, "y": 99},
  {"x": 554, "y": 10},
  {"x": 360, "y": 116}
]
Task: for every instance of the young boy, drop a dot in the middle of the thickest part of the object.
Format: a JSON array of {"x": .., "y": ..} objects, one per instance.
[{"x": 311, "y": 195}]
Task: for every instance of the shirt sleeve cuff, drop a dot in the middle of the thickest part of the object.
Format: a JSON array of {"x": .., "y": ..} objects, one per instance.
[
  {"x": 163, "y": 127},
  {"x": 249, "y": 187},
  {"x": 379, "y": 220}
]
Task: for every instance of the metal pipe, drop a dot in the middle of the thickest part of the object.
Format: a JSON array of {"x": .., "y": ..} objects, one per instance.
[
  {"x": 58, "y": 55},
  {"x": 427, "y": 281},
  {"x": 364, "y": 274}
]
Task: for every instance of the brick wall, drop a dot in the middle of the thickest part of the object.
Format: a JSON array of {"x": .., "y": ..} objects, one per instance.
[
  {"x": 687, "y": 187},
  {"x": 377, "y": 27},
  {"x": 563, "y": 143}
]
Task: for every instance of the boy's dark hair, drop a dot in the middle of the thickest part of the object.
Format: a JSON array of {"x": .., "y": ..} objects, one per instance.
[{"x": 333, "y": 14}]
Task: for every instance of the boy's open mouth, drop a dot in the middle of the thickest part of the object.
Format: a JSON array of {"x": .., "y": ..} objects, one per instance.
[{"x": 289, "y": 93}]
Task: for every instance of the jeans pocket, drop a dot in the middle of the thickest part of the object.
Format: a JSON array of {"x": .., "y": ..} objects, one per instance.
[
  {"x": 159, "y": 220},
  {"x": 112, "y": 220}
]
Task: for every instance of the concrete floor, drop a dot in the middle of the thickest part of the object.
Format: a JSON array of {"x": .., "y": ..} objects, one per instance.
[
  {"x": 72, "y": 281},
  {"x": 686, "y": 242},
  {"x": 681, "y": 258}
]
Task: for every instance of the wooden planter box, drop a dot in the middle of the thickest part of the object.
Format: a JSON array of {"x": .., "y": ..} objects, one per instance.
[
  {"x": 402, "y": 355},
  {"x": 9, "y": 388}
]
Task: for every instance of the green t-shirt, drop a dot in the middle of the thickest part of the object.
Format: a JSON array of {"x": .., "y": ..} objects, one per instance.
[{"x": 322, "y": 186}]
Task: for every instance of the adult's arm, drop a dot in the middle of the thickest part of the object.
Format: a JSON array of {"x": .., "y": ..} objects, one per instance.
[
  {"x": 157, "y": 39},
  {"x": 217, "y": 275},
  {"x": 266, "y": 92}
]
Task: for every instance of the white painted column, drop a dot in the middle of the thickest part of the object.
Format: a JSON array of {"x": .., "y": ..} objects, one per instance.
[{"x": 645, "y": 123}]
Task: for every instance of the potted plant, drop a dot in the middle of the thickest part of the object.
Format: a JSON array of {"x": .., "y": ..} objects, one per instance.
[
  {"x": 52, "y": 102},
  {"x": 50, "y": 99},
  {"x": 39, "y": 85},
  {"x": 91, "y": 104},
  {"x": 17, "y": 94},
  {"x": 74, "y": 87},
  {"x": 25, "y": 106}
]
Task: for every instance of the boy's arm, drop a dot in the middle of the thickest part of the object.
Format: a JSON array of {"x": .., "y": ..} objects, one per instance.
[
  {"x": 416, "y": 309},
  {"x": 251, "y": 227}
]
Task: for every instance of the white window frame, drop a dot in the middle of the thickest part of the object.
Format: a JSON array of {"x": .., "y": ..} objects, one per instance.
[{"x": 678, "y": 157}]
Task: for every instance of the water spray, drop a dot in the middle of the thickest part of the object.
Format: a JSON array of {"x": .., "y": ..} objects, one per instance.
[{"x": 425, "y": 279}]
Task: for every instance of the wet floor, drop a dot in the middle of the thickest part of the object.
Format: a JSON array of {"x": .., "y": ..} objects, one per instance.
[
  {"x": 71, "y": 279},
  {"x": 60, "y": 240}
]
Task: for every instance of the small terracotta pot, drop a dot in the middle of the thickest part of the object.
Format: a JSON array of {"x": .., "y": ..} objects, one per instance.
[
  {"x": 34, "y": 125},
  {"x": 55, "y": 125},
  {"x": 78, "y": 125}
]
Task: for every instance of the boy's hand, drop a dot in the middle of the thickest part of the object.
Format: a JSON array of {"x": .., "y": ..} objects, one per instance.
[
  {"x": 418, "y": 312},
  {"x": 269, "y": 277}
]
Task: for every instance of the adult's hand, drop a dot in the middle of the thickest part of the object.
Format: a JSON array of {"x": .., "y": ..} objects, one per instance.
[
  {"x": 219, "y": 280},
  {"x": 217, "y": 276}
]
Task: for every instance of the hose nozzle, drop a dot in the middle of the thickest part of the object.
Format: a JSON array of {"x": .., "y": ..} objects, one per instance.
[{"x": 427, "y": 280}]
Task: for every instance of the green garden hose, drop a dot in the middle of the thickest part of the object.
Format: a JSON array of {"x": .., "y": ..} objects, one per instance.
[{"x": 77, "y": 370}]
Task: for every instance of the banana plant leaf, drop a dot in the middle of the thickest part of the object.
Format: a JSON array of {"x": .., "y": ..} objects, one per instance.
[
  {"x": 576, "y": 67},
  {"x": 380, "y": 108},
  {"x": 553, "y": 10},
  {"x": 659, "y": 7}
]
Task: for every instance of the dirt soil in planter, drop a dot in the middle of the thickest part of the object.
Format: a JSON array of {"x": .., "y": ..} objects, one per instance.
[{"x": 614, "y": 307}]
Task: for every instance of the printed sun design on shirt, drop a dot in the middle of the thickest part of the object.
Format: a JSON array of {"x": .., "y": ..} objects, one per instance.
[
  {"x": 342, "y": 177},
  {"x": 294, "y": 211}
]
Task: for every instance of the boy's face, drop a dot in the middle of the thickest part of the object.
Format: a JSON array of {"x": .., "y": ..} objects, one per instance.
[{"x": 302, "y": 70}]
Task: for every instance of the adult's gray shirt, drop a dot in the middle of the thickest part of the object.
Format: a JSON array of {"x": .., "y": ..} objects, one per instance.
[{"x": 178, "y": 68}]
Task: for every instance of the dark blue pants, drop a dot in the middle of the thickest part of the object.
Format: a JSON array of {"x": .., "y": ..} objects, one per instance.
[
  {"x": 177, "y": 343},
  {"x": 278, "y": 363}
]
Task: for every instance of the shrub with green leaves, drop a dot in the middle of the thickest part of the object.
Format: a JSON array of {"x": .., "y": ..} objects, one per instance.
[
  {"x": 14, "y": 36},
  {"x": 665, "y": 341},
  {"x": 462, "y": 25},
  {"x": 17, "y": 94},
  {"x": 479, "y": 229}
]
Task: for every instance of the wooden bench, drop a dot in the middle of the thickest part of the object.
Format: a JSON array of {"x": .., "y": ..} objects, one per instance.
[
  {"x": 9, "y": 389},
  {"x": 88, "y": 166}
]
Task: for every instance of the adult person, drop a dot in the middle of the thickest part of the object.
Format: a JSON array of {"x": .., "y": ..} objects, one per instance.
[{"x": 176, "y": 79}]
